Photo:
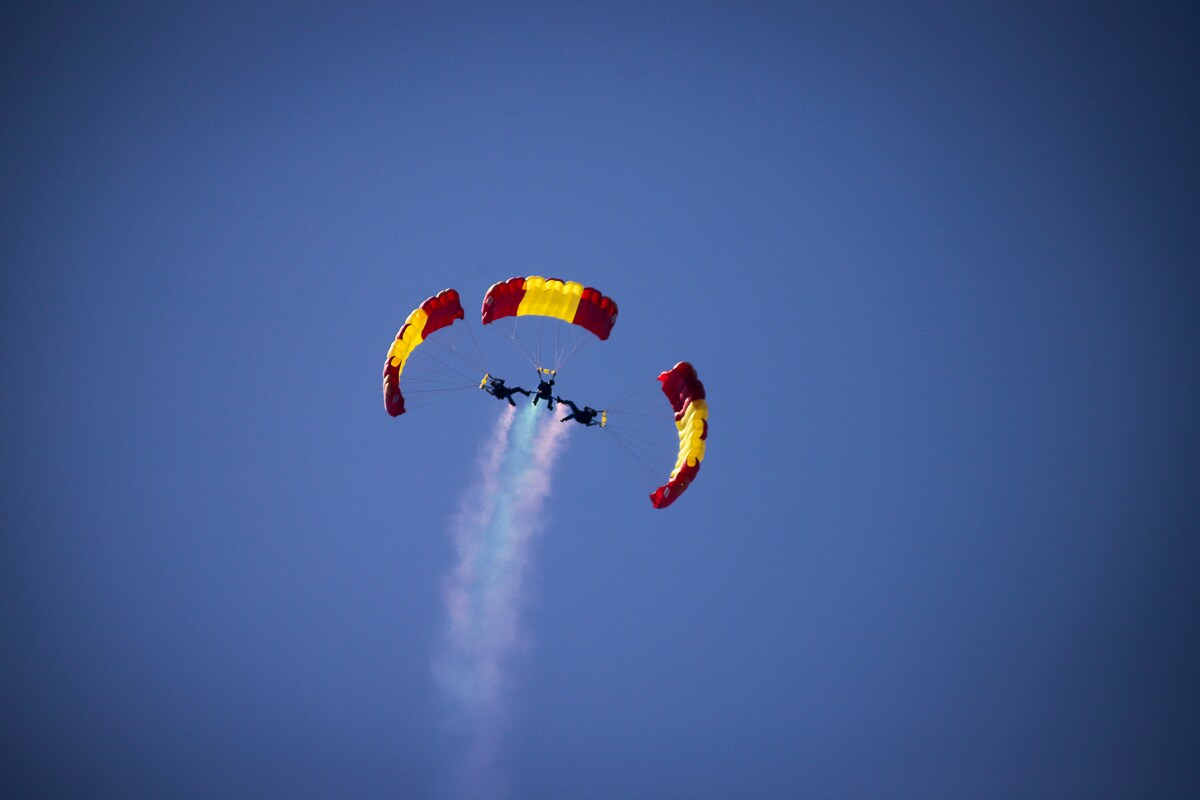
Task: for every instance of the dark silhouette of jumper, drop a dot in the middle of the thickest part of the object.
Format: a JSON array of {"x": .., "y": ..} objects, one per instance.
[
  {"x": 584, "y": 416},
  {"x": 496, "y": 388},
  {"x": 545, "y": 391}
]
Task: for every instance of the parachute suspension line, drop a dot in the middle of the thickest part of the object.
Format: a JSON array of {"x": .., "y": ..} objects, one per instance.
[
  {"x": 520, "y": 344},
  {"x": 475, "y": 359},
  {"x": 662, "y": 446},
  {"x": 454, "y": 351},
  {"x": 638, "y": 468},
  {"x": 531, "y": 341},
  {"x": 448, "y": 367},
  {"x": 578, "y": 341},
  {"x": 568, "y": 341},
  {"x": 426, "y": 368},
  {"x": 635, "y": 459},
  {"x": 643, "y": 414},
  {"x": 474, "y": 343},
  {"x": 558, "y": 362},
  {"x": 540, "y": 328},
  {"x": 428, "y": 377},
  {"x": 424, "y": 402},
  {"x": 423, "y": 385},
  {"x": 637, "y": 475},
  {"x": 666, "y": 433},
  {"x": 434, "y": 378},
  {"x": 642, "y": 423},
  {"x": 445, "y": 390},
  {"x": 641, "y": 446},
  {"x": 631, "y": 395}
]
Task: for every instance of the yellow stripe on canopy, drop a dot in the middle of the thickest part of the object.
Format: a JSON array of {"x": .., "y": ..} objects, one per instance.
[
  {"x": 413, "y": 335},
  {"x": 691, "y": 427},
  {"x": 550, "y": 298}
]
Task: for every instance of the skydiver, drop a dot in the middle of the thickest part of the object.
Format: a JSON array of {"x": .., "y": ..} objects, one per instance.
[
  {"x": 545, "y": 391},
  {"x": 496, "y": 388},
  {"x": 585, "y": 417}
]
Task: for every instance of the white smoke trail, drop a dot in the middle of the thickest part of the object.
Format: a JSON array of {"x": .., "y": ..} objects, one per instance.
[{"x": 498, "y": 520}]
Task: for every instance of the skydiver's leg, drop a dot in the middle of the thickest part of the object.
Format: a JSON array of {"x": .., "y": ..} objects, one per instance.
[{"x": 510, "y": 401}]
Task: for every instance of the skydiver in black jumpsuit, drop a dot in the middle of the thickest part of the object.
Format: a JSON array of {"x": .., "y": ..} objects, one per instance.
[
  {"x": 585, "y": 417},
  {"x": 545, "y": 391},
  {"x": 498, "y": 390}
]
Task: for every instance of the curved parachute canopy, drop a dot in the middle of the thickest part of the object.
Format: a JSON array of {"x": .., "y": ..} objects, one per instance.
[
  {"x": 550, "y": 297},
  {"x": 686, "y": 394},
  {"x": 435, "y": 313}
]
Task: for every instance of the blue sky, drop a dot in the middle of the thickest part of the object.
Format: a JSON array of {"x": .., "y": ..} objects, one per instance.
[{"x": 935, "y": 265}]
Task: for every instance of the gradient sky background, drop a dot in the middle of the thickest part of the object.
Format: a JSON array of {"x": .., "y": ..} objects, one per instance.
[{"x": 935, "y": 264}]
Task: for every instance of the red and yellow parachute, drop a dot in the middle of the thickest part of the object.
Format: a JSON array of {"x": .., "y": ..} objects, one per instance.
[
  {"x": 550, "y": 297},
  {"x": 585, "y": 309},
  {"x": 686, "y": 395},
  {"x": 435, "y": 313}
]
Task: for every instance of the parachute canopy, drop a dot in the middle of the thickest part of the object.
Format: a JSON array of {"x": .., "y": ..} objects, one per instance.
[
  {"x": 435, "y": 313},
  {"x": 686, "y": 395},
  {"x": 550, "y": 297}
]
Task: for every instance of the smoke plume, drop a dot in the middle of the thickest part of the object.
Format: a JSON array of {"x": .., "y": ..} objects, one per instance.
[{"x": 497, "y": 521}]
